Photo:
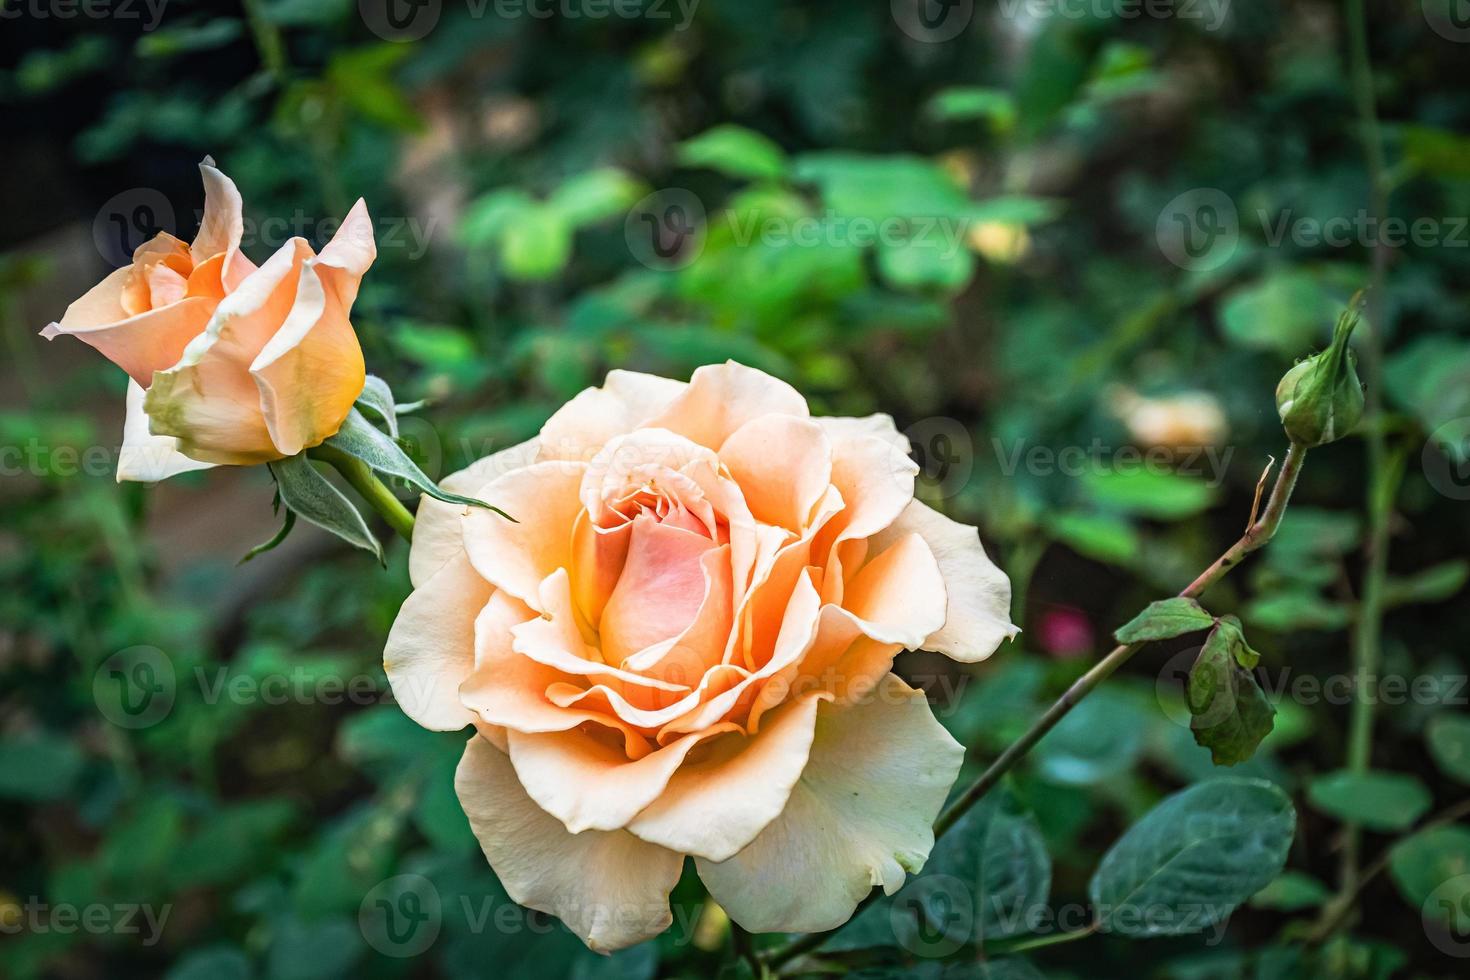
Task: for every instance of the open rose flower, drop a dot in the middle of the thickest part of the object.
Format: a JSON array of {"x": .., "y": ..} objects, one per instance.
[
  {"x": 228, "y": 363},
  {"x": 684, "y": 647}
]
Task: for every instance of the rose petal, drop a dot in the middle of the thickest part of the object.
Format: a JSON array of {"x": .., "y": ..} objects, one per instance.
[
  {"x": 659, "y": 592},
  {"x": 151, "y": 341},
  {"x": 611, "y": 889},
  {"x": 437, "y": 531},
  {"x": 977, "y": 618},
  {"x": 714, "y": 807},
  {"x": 626, "y": 400},
  {"x": 222, "y": 226},
  {"x": 209, "y": 401},
  {"x": 590, "y": 785},
  {"x": 859, "y": 816},
  {"x": 431, "y": 647},
  {"x": 723, "y": 397},
  {"x": 518, "y": 556},
  {"x": 145, "y": 457},
  {"x": 783, "y": 465}
]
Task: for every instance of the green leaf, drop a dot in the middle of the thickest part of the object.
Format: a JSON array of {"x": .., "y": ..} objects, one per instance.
[
  {"x": 986, "y": 879},
  {"x": 377, "y": 397},
  {"x": 1102, "y": 537},
  {"x": 1193, "y": 858},
  {"x": 313, "y": 497},
  {"x": 276, "y": 539},
  {"x": 594, "y": 196},
  {"x": 360, "y": 439},
  {"x": 536, "y": 244},
  {"x": 1292, "y": 891},
  {"x": 1377, "y": 800},
  {"x": 926, "y": 263},
  {"x": 736, "y": 152},
  {"x": 1432, "y": 872},
  {"x": 1229, "y": 714},
  {"x": 1148, "y": 492},
  {"x": 993, "y": 105},
  {"x": 1288, "y": 312},
  {"x": 1434, "y": 584},
  {"x": 487, "y": 218},
  {"x": 38, "y": 767},
  {"x": 1097, "y": 741},
  {"x": 1435, "y": 151},
  {"x": 1164, "y": 619},
  {"x": 1239, "y": 648},
  {"x": 1449, "y": 743}
]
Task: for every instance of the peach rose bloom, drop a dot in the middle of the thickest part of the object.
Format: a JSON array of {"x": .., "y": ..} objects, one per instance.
[
  {"x": 684, "y": 647},
  {"x": 228, "y": 363}
]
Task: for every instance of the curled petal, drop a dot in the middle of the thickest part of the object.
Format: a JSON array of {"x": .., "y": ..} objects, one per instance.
[
  {"x": 222, "y": 226},
  {"x": 978, "y": 594},
  {"x": 610, "y": 888},
  {"x": 859, "y": 816}
]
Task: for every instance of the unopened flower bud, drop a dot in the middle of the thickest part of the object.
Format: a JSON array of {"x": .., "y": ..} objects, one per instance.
[{"x": 1321, "y": 399}]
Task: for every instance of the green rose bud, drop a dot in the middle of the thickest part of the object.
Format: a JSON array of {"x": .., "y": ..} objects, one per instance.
[{"x": 1321, "y": 399}]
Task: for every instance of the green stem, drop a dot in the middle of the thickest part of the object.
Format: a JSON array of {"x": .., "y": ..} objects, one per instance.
[
  {"x": 1041, "y": 942},
  {"x": 1382, "y": 486},
  {"x": 360, "y": 477},
  {"x": 1255, "y": 536},
  {"x": 268, "y": 42}
]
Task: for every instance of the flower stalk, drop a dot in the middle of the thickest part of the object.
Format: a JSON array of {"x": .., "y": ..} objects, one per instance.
[{"x": 360, "y": 477}]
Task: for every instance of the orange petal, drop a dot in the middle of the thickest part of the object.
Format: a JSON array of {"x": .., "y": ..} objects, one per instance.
[
  {"x": 518, "y": 556},
  {"x": 437, "y": 532},
  {"x": 626, "y": 400},
  {"x": 783, "y": 465},
  {"x": 144, "y": 457}
]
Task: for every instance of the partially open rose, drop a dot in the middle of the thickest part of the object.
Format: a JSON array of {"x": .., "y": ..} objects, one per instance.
[
  {"x": 229, "y": 363},
  {"x": 684, "y": 647}
]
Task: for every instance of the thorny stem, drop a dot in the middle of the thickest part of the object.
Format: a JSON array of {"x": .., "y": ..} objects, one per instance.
[
  {"x": 1255, "y": 536},
  {"x": 360, "y": 477}
]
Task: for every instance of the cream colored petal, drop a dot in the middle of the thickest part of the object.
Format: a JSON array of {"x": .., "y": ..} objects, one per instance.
[
  {"x": 209, "y": 401},
  {"x": 859, "y": 816},
  {"x": 715, "y": 806},
  {"x": 977, "y": 618},
  {"x": 222, "y": 225},
  {"x": 610, "y": 889},
  {"x": 518, "y": 556},
  {"x": 659, "y": 592},
  {"x": 879, "y": 425},
  {"x": 311, "y": 370},
  {"x": 437, "y": 531},
  {"x": 431, "y": 647},
  {"x": 144, "y": 457},
  {"x": 899, "y": 594},
  {"x": 723, "y": 397},
  {"x": 783, "y": 465},
  {"x": 589, "y": 784},
  {"x": 626, "y": 400}
]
